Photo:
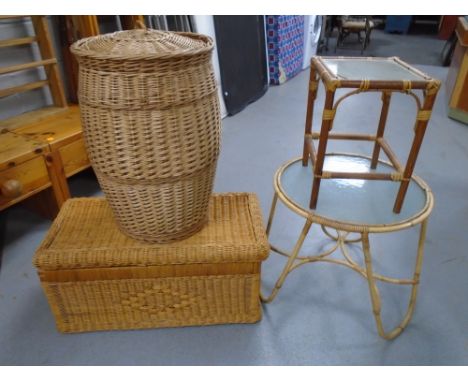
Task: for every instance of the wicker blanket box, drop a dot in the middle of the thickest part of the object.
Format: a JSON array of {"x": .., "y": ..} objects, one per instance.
[{"x": 97, "y": 278}]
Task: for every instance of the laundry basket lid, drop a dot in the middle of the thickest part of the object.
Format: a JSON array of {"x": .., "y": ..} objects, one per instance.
[{"x": 139, "y": 44}]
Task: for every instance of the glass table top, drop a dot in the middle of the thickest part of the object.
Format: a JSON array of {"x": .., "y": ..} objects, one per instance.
[
  {"x": 355, "y": 201},
  {"x": 383, "y": 69}
]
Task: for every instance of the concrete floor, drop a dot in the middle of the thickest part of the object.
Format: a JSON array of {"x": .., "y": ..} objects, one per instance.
[
  {"x": 322, "y": 316},
  {"x": 419, "y": 46}
]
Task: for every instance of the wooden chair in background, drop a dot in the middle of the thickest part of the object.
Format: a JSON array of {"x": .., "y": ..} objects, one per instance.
[{"x": 354, "y": 24}]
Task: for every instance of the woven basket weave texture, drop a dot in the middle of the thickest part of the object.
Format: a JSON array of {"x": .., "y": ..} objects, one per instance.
[
  {"x": 97, "y": 278},
  {"x": 151, "y": 124}
]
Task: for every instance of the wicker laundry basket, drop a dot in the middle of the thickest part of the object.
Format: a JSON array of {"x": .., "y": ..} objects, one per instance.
[{"x": 151, "y": 124}]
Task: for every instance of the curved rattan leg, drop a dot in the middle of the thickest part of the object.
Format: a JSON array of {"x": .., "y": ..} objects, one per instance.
[
  {"x": 289, "y": 265},
  {"x": 374, "y": 292},
  {"x": 272, "y": 213}
]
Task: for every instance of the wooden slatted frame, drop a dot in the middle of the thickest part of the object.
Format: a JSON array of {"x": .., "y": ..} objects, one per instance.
[
  {"x": 47, "y": 52},
  {"x": 59, "y": 189},
  {"x": 8, "y": 17},
  {"x": 22, "y": 88},
  {"x": 27, "y": 65},
  {"x": 17, "y": 41},
  {"x": 48, "y": 61}
]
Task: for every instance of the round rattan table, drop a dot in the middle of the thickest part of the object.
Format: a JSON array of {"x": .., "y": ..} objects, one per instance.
[{"x": 347, "y": 206}]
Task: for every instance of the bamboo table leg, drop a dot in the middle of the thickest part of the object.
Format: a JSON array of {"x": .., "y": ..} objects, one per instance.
[
  {"x": 374, "y": 292},
  {"x": 381, "y": 129},
  {"x": 313, "y": 84},
  {"x": 422, "y": 120},
  {"x": 272, "y": 213},
  {"x": 327, "y": 122}
]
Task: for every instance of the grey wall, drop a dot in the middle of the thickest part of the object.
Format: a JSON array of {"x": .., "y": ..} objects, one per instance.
[{"x": 34, "y": 99}]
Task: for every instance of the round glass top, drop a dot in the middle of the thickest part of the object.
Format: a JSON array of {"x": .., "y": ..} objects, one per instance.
[{"x": 352, "y": 201}]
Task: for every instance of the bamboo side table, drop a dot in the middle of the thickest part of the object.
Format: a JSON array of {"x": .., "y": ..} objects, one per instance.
[
  {"x": 351, "y": 206},
  {"x": 385, "y": 75}
]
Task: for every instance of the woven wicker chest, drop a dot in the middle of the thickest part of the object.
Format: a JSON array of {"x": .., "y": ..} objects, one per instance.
[{"x": 97, "y": 278}]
